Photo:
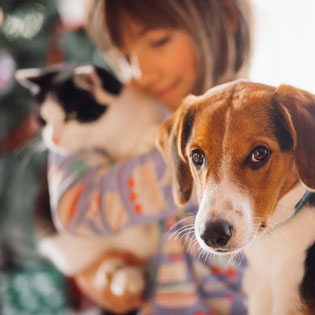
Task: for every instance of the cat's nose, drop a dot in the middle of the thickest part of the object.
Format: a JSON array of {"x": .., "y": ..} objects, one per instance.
[{"x": 216, "y": 234}]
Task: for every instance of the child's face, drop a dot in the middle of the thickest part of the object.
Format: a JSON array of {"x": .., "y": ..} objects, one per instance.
[{"x": 167, "y": 61}]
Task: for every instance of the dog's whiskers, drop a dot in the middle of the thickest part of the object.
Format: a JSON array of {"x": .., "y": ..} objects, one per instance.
[
  {"x": 194, "y": 246},
  {"x": 188, "y": 236},
  {"x": 202, "y": 253},
  {"x": 284, "y": 207},
  {"x": 181, "y": 231},
  {"x": 256, "y": 242},
  {"x": 272, "y": 235},
  {"x": 184, "y": 233},
  {"x": 235, "y": 259},
  {"x": 187, "y": 218},
  {"x": 282, "y": 230},
  {"x": 239, "y": 256}
]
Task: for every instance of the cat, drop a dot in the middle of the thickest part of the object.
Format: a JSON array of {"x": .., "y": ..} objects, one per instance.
[{"x": 84, "y": 107}]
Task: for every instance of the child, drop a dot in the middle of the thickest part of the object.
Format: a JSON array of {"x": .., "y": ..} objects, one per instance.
[{"x": 171, "y": 48}]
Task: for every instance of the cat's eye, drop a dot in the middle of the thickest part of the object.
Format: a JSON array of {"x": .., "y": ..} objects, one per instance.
[
  {"x": 71, "y": 116},
  {"x": 42, "y": 122},
  {"x": 40, "y": 119},
  {"x": 197, "y": 157}
]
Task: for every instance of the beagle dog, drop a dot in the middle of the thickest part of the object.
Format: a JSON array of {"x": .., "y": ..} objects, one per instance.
[{"x": 250, "y": 150}]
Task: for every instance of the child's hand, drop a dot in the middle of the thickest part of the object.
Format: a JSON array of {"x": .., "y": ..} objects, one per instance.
[{"x": 91, "y": 283}]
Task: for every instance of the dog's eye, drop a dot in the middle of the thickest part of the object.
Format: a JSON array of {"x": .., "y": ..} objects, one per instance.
[
  {"x": 260, "y": 154},
  {"x": 197, "y": 157}
]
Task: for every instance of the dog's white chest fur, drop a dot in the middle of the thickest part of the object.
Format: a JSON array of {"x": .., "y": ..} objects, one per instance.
[{"x": 276, "y": 266}]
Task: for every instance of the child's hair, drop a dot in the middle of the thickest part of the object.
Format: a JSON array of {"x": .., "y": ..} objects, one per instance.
[{"x": 220, "y": 29}]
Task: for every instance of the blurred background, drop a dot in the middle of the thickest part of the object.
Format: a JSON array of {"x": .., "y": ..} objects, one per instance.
[
  {"x": 33, "y": 33},
  {"x": 37, "y": 33},
  {"x": 284, "y": 43}
]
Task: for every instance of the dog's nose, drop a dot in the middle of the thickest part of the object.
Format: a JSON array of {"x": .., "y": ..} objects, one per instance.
[{"x": 216, "y": 234}]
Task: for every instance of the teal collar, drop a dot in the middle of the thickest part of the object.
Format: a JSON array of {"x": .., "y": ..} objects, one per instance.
[{"x": 301, "y": 203}]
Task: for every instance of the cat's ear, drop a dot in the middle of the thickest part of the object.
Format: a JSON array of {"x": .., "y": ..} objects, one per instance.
[
  {"x": 85, "y": 78},
  {"x": 110, "y": 82},
  {"x": 93, "y": 78},
  {"x": 98, "y": 82},
  {"x": 34, "y": 79}
]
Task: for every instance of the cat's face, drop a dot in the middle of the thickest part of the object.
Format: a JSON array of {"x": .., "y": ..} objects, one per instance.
[
  {"x": 86, "y": 107},
  {"x": 66, "y": 96}
]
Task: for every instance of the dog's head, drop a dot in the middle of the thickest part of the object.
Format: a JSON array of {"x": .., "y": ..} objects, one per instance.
[{"x": 245, "y": 145}]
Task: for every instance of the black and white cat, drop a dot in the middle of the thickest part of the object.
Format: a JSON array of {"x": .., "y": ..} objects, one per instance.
[{"x": 85, "y": 107}]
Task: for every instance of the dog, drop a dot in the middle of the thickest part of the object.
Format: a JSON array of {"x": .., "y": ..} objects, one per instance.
[{"x": 250, "y": 150}]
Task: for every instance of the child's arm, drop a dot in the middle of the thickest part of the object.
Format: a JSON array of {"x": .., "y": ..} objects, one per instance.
[{"x": 88, "y": 196}]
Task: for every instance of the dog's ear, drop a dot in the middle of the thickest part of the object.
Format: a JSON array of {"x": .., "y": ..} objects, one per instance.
[
  {"x": 172, "y": 139},
  {"x": 298, "y": 109}
]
